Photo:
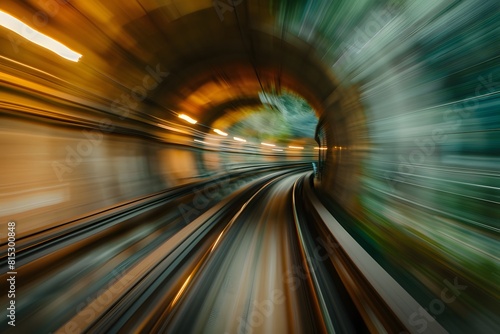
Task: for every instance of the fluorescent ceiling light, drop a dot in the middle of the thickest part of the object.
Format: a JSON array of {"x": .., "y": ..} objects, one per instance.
[
  {"x": 188, "y": 119},
  {"x": 296, "y": 147},
  {"x": 222, "y": 133},
  {"x": 266, "y": 144},
  {"x": 22, "y": 29},
  {"x": 239, "y": 139}
]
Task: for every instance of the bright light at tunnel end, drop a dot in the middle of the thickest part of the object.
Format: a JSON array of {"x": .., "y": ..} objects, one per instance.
[
  {"x": 188, "y": 119},
  {"x": 22, "y": 29}
]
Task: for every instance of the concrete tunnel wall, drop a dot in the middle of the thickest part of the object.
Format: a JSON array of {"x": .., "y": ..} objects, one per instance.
[
  {"x": 417, "y": 119},
  {"x": 52, "y": 174}
]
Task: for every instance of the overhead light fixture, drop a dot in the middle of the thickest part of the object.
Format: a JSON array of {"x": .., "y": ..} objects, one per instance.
[
  {"x": 320, "y": 148},
  {"x": 222, "y": 133},
  {"x": 188, "y": 119},
  {"x": 239, "y": 139},
  {"x": 277, "y": 149},
  {"x": 296, "y": 147},
  {"x": 10, "y": 22},
  {"x": 266, "y": 144},
  {"x": 203, "y": 142}
]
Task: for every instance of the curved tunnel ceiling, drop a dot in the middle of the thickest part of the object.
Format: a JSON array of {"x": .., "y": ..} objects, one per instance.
[
  {"x": 209, "y": 57},
  {"x": 228, "y": 63},
  {"x": 212, "y": 68}
]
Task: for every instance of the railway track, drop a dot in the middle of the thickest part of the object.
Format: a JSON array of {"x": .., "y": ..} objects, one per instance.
[{"x": 264, "y": 258}]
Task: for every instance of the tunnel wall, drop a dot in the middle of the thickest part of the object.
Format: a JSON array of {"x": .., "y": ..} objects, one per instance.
[
  {"x": 216, "y": 161},
  {"x": 54, "y": 173},
  {"x": 420, "y": 170},
  {"x": 342, "y": 133},
  {"x": 51, "y": 174}
]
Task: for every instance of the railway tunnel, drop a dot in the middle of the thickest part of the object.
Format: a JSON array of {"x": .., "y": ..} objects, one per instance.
[{"x": 237, "y": 166}]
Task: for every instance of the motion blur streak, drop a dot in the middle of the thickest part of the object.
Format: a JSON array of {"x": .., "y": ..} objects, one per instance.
[
  {"x": 25, "y": 31},
  {"x": 338, "y": 171}
]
